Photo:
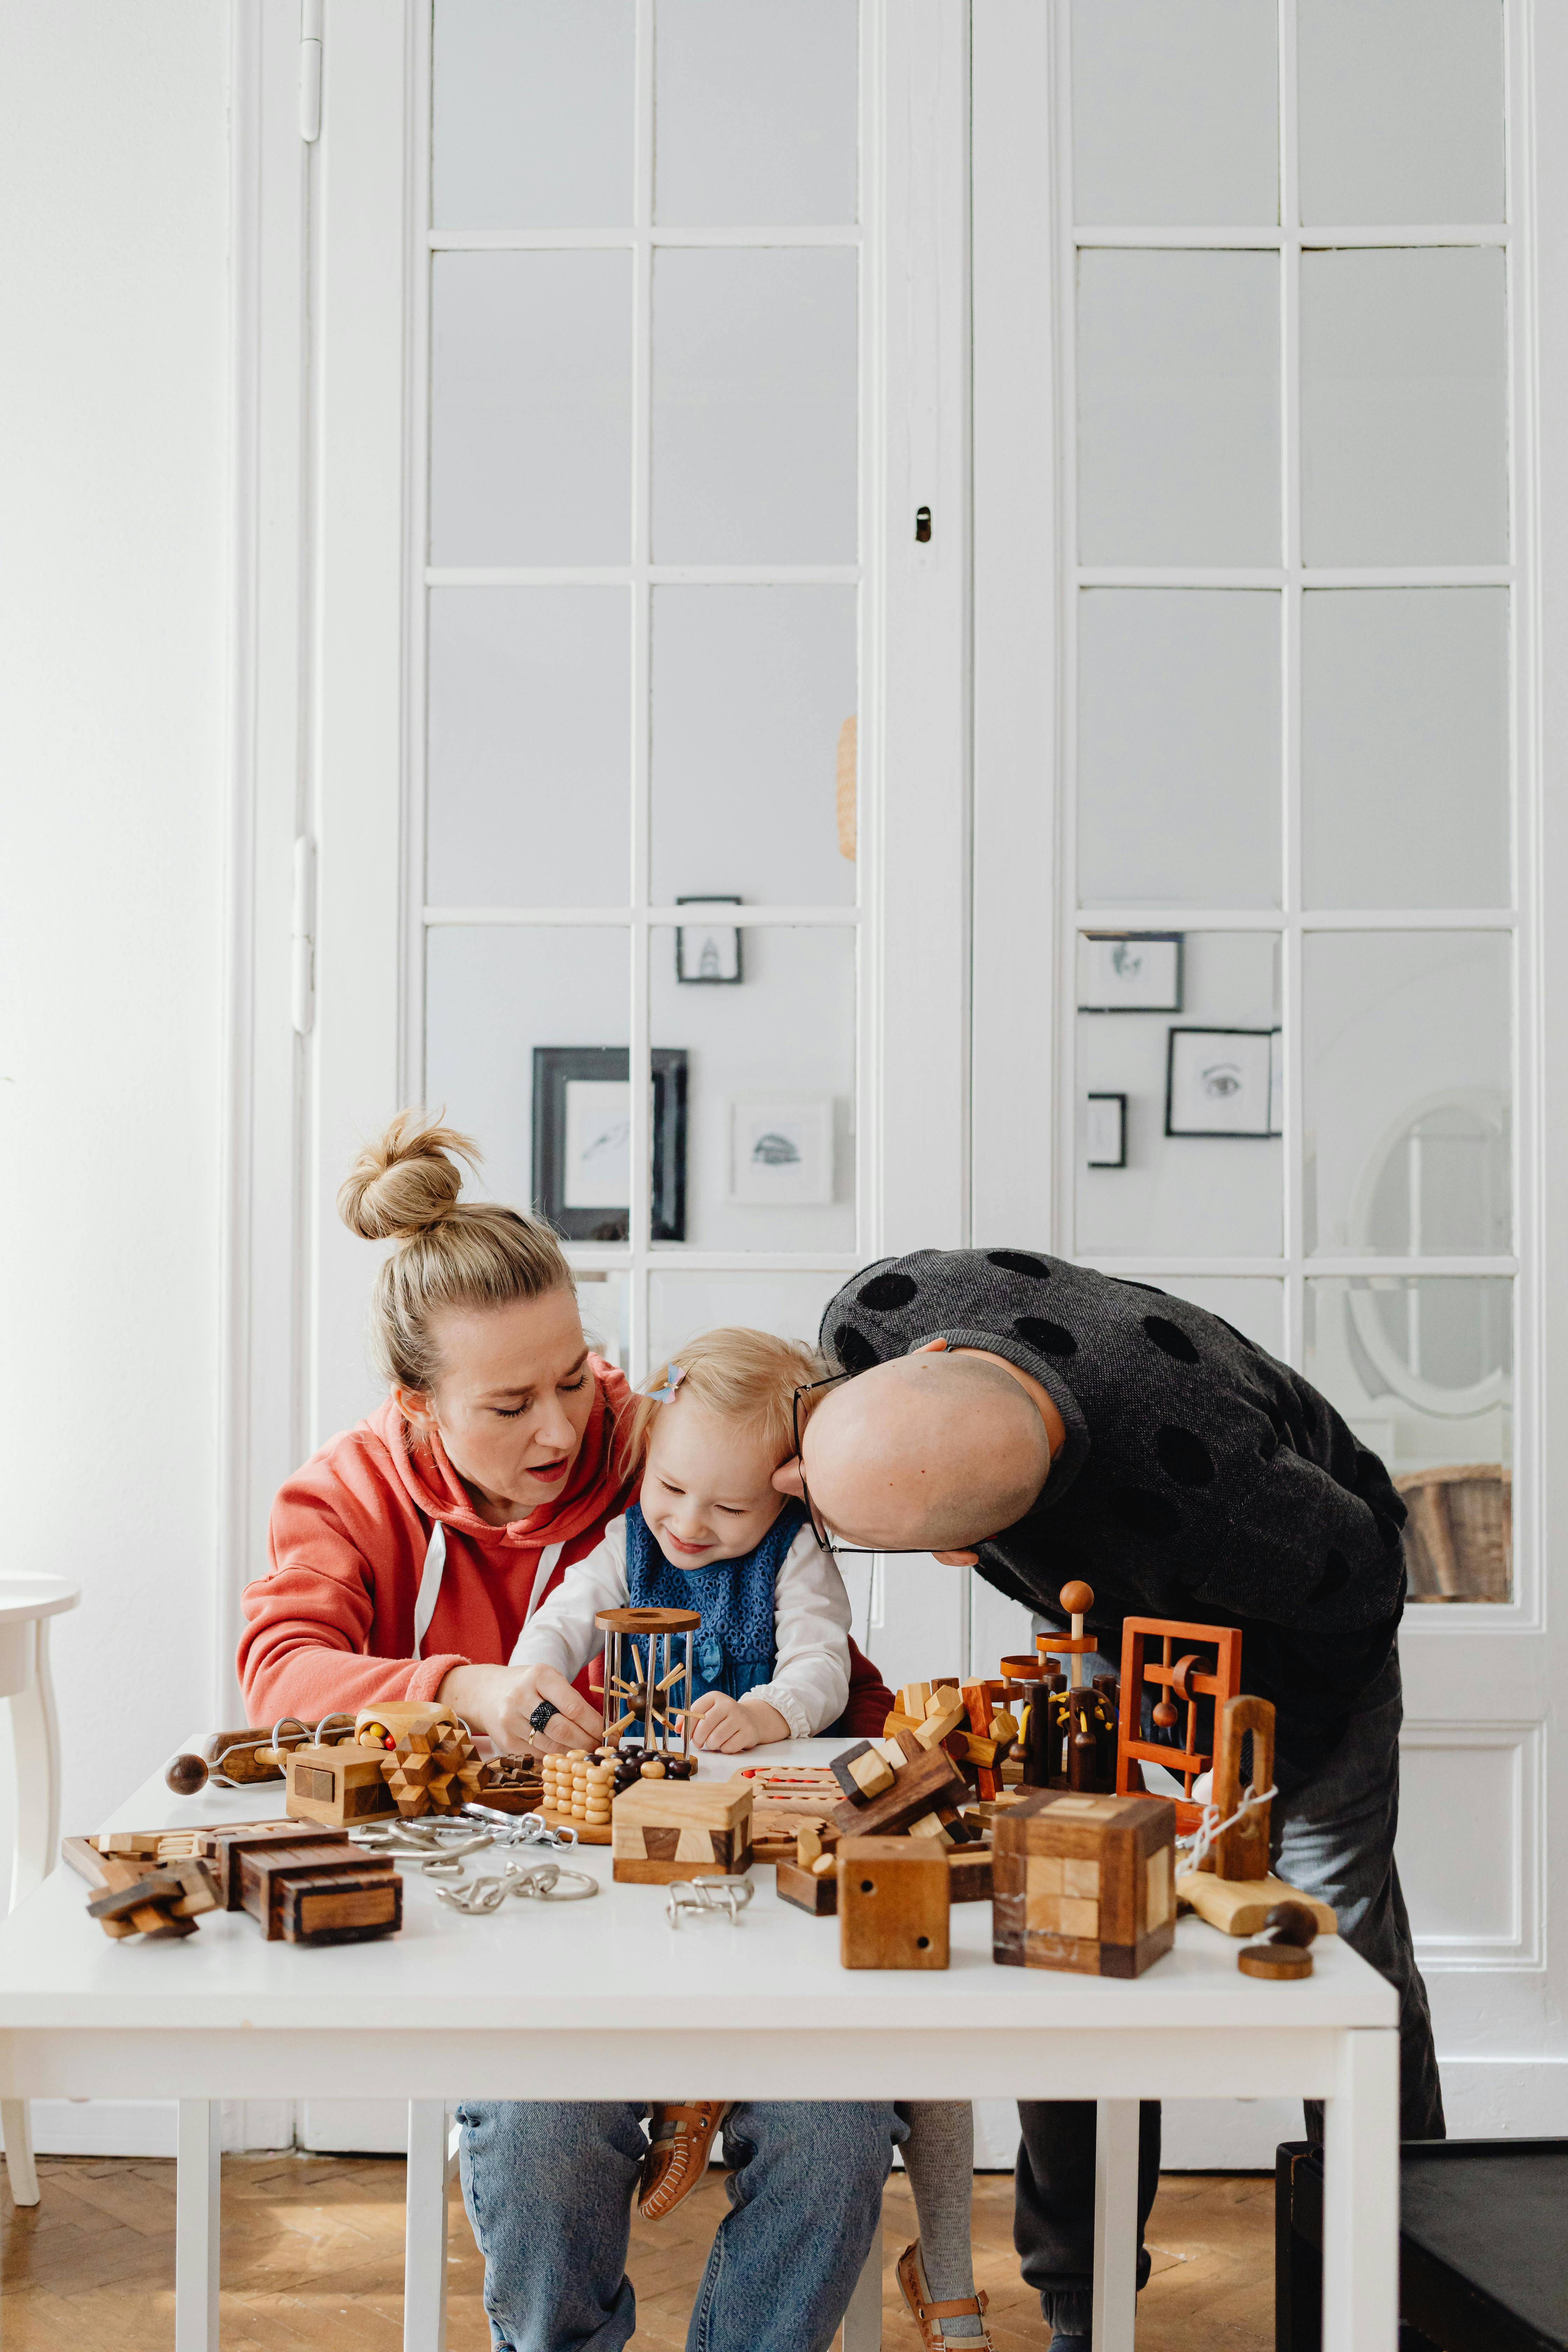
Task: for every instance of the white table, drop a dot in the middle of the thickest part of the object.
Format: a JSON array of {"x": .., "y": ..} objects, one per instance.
[
  {"x": 586, "y": 2000},
  {"x": 26, "y": 1605}
]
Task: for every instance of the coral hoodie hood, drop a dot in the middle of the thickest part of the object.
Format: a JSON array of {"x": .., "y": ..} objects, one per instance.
[{"x": 332, "y": 1625}]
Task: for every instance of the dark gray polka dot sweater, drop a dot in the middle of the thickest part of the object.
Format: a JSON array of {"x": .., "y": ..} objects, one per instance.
[{"x": 1201, "y": 1479}]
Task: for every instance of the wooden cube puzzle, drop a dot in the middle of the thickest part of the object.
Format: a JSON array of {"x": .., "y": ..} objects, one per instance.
[
  {"x": 434, "y": 1772},
  {"x": 664, "y": 1830},
  {"x": 893, "y": 1898},
  {"x": 1085, "y": 1883},
  {"x": 335, "y": 1785}
]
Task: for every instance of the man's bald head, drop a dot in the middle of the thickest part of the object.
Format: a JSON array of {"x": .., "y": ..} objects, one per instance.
[{"x": 934, "y": 1452}]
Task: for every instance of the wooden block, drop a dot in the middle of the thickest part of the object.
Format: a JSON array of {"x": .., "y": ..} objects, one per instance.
[
  {"x": 871, "y": 1773},
  {"x": 919, "y": 1787},
  {"x": 983, "y": 1751},
  {"x": 1238, "y": 1906},
  {"x": 142, "y": 1843},
  {"x": 825, "y": 1864},
  {"x": 893, "y": 1898},
  {"x": 230, "y": 1849},
  {"x": 1003, "y": 1728},
  {"x": 969, "y": 1873},
  {"x": 335, "y": 1785},
  {"x": 931, "y": 1831},
  {"x": 806, "y": 1890},
  {"x": 665, "y": 1829},
  {"x": 898, "y": 1721},
  {"x": 1083, "y": 1882},
  {"x": 912, "y": 1700},
  {"x": 944, "y": 1715},
  {"x": 807, "y": 1847},
  {"x": 347, "y": 1907},
  {"x": 776, "y": 1826}
]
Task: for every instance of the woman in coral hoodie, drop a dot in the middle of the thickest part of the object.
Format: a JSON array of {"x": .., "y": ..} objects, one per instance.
[{"x": 407, "y": 1556}]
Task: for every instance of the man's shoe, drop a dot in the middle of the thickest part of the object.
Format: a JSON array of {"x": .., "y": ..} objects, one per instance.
[
  {"x": 930, "y": 2317},
  {"x": 679, "y": 2142}
]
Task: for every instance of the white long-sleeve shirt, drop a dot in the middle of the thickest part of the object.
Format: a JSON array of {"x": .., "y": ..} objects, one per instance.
[{"x": 811, "y": 1627}]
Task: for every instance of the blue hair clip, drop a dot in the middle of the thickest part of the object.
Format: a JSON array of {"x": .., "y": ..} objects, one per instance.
[{"x": 665, "y": 1395}]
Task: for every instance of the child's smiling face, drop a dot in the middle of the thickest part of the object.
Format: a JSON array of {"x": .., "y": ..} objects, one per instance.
[{"x": 706, "y": 1490}]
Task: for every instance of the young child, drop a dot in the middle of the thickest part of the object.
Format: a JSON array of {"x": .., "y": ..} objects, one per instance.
[{"x": 710, "y": 1531}]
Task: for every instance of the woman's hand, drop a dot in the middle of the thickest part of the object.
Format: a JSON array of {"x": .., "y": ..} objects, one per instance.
[
  {"x": 500, "y": 1700},
  {"x": 724, "y": 1726}
]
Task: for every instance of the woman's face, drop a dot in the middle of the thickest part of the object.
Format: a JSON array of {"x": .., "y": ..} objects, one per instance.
[{"x": 512, "y": 1400}]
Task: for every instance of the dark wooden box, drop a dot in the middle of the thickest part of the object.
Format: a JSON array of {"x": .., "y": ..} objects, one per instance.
[{"x": 1085, "y": 1883}]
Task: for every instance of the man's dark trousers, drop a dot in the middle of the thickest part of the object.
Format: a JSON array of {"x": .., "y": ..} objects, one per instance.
[{"x": 1333, "y": 1837}]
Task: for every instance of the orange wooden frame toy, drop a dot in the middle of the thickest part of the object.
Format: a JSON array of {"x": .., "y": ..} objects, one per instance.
[{"x": 1180, "y": 1681}]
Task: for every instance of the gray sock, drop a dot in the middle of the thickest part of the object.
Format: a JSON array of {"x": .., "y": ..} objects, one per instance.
[{"x": 938, "y": 2157}]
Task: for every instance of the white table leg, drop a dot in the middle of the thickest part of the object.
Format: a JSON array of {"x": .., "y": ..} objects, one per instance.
[
  {"x": 1361, "y": 2196},
  {"x": 425, "y": 2229},
  {"x": 35, "y": 1745},
  {"x": 198, "y": 2214},
  {"x": 1115, "y": 2225},
  {"x": 36, "y": 1750},
  {"x": 863, "y": 2320}
]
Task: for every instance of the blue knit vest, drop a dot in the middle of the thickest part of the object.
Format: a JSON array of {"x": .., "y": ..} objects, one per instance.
[{"x": 733, "y": 1647}]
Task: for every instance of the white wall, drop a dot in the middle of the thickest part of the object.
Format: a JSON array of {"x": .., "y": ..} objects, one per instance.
[{"x": 113, "y": 168}]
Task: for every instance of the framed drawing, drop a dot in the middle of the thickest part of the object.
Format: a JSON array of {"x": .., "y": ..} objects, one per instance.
[
  {"x": 1105, "y": 1131},
  {"x": 781, "y": 1150},
  {"x": 1130, "y": 972},
  {"x": 1219, "y": 1081},
  {"x": 708, "y": 954},
  {"x": 582, "y": 1141}
]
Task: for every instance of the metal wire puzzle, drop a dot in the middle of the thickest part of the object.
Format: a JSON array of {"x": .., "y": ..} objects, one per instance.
[
  {"x": 544, "y": 1882},
  {"x": 708, "y": 1898}
]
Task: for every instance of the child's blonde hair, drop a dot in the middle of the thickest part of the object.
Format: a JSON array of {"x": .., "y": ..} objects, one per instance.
[{"x": 750, "y": 1377}]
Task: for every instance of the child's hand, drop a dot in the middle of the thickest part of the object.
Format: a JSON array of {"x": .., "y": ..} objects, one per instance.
[{"x": 724, "y": 1726}]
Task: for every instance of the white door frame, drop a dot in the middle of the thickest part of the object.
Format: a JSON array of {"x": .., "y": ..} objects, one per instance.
[{"x": 1477, "y": 1679}]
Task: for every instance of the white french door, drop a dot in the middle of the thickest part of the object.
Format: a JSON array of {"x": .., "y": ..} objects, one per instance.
[
  {"x": 636, "y": 775},
  {"x": 1257, "y": 333}
]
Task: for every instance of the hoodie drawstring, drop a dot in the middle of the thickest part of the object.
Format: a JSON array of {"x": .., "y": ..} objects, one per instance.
[{"x": 435, "y": 1568}]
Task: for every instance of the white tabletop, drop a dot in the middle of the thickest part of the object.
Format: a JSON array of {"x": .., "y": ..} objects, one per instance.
[
  {"x": 614, "y": 1961},
  {"x": 23, "y": 1597}
]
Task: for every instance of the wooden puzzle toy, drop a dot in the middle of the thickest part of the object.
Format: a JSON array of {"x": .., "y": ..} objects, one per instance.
[
  {"x": 647, "y": 1686},
  {"x": 1208, "y": 1668},
  {"x": 1084, "y": 1883},
  {"x": 814, "y": 1886},
  {"x": 809, "y": 1784},
  {"x": 1283, "y": 1955},
  {"x": 893, "y": 1899},
  {"x": 663, "y": 1831},
  {"x": 302, "y": 1884},
  {"x": 578, "y": 1789},
  {"x": 699, "y": 1899},
  {"x": 232, "y": 1760},
  {"x": 1227, "y": 1880},
  {"x": 924, "y": 1781}
]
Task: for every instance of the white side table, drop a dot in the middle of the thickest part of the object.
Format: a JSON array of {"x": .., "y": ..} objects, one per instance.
[{"x": 26, "y": 1604}]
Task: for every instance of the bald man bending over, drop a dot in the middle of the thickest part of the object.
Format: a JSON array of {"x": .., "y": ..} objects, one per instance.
[{"x": 1044, "y": 1423}]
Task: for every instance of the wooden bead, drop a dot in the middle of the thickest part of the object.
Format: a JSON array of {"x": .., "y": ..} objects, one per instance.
[
  {"x": 653, "y": 1771},
  {"x": 186, "y": 1775},
  {"x": 1076, "y": 1598}
]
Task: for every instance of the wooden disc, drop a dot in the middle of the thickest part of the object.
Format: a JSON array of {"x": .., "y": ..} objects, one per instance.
[
  {"x": 1181, "y": 1674},
  {"x": 648, "y": 1621},
  {"x": 1276, "y": 1960}
]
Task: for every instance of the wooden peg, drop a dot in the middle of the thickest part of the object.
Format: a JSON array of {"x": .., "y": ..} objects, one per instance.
[
  {"x": 1242, "y": 1852},
  {"x": 1076, "y": 1598},
  {"x": 1165, "y": 1709},
  {"x": 1284, "y": 1954}
]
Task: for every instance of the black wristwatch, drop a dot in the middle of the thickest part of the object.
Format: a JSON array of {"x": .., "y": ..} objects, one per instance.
[{"x": 542, "y": 1715}]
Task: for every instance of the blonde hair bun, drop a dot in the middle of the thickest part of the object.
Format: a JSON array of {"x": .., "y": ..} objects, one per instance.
[{"x": 405, "y": 1183}]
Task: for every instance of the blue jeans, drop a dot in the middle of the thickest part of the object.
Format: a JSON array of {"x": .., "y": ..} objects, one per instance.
[
  {"x": 1332, "y": 1834},
  {"x": 548, "y": 2188}
]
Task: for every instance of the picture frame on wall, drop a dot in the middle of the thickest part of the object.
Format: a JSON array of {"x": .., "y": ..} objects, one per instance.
[
  {"x": 1105, "y": 1131},
  {"x": 1220, "y": 1082},
  {"x": 582, "y": 1141},
  {"x": 781, "y": 1150},
  {"x": 1130, "y": 972},
  {"x": 708, "y": 954}
]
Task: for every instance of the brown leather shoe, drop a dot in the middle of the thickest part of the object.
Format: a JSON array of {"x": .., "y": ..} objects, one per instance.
[
  {"x": 679, "y": 2139},
  {"x": 928, "y": 2315}
]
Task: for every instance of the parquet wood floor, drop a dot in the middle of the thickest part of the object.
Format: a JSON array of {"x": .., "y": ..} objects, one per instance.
[{"x": 312, "y": 2259}]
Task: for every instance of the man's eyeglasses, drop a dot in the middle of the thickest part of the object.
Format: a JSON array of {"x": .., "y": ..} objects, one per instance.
[{"x": 818, "y": 1524}]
